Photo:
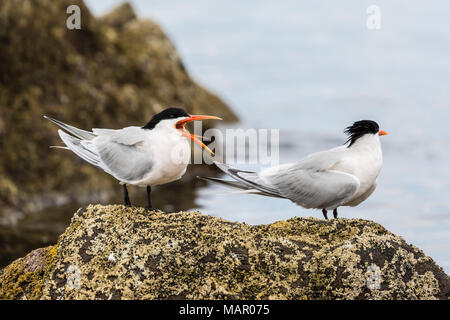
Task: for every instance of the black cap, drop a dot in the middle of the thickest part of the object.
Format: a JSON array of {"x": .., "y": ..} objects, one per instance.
[
  {"x": 169, "y": 113},
  {"x": 360, "y": 128}
]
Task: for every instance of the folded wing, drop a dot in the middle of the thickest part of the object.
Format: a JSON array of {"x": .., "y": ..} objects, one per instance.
[
  {"x": 122, "y": 153},
  {"x": 117, "y": 152},
  {"x": 315, "y": 189}
]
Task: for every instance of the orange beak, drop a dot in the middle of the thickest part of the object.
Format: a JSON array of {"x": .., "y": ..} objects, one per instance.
[
  {"x": 382, "y": 133},
  {"x": 180, "y": 126}
]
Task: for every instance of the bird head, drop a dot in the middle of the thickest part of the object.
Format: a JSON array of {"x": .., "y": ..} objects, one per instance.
[
  {"x": 178, "y": 117},
  {"x": 362, "y": 128}
]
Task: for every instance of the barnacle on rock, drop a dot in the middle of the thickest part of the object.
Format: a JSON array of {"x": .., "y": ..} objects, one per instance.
[{"x": 115, "y": 252}]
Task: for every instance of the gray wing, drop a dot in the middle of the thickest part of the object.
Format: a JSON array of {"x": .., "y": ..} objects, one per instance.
[
  {"x": 314, "y": 188},
  {"x": 313, "y": 182},
  {"x": 122, "y": 153},
  {"x": 117, "y": 152},
  {"x": 103, "y": 132}
]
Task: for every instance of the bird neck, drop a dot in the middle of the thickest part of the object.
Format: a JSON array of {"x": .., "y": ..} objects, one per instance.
[
  {"x": 166, "y": 126},
  {"x": 368, "y": 142}
]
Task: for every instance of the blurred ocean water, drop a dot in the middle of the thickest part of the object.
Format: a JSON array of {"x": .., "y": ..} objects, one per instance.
[{"x": 310, "y": 70}]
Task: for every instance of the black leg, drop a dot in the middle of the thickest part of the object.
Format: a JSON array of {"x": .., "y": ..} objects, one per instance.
[
  {"x": 149, "y": 197},
  {"x": 126, "y": 200},
  {"x": 324, "y": 211},
  {"x": 335, "y": 213}
]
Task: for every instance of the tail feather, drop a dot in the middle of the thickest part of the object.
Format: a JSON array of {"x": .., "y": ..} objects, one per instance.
[
  {"x": 242, "y": 188},
  {"x": 245, "y": 180},
  {"x": 82, "y": 134},
  {"x": 249, "y": 178},
  {"x": 228, "y": 183},
  {"x": 75, "y": 145}
]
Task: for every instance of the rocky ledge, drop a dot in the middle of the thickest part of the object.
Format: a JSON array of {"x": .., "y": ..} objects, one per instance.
[{"x": 114, "y": 252}]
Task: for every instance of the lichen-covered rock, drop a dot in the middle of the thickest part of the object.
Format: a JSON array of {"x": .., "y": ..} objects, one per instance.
[
  {"x": 114, "y": 252},
  {"x": 25, "y": 277},
  {"x": 113, "y": 72}
]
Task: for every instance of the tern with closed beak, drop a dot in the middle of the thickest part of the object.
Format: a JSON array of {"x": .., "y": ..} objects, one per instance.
[
  {"x": 154, "y": 154},
  {"x": 342, "y": 176}
]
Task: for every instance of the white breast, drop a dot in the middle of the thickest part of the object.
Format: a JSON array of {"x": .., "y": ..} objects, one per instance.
[
  {"x": 171, "y": 154},
  {"x": 367, "y": 161}
]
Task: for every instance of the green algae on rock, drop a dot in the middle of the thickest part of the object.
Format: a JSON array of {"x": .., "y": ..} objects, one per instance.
[
  {"x": 115, "y": 71},
  {"x": 114, "y": 252},
  {"x": 25, "y": 276}
]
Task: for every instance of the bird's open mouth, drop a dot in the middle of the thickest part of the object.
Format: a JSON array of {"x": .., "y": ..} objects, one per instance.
[{"x": 180, "y": 126}]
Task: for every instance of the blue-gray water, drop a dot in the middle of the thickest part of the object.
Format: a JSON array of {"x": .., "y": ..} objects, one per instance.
[{"x": 310, "y": 70}]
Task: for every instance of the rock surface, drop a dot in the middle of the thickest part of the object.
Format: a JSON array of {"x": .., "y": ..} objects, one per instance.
[
  {"x": 114, "y": 252},
  {"x": 113, "y": 72}
]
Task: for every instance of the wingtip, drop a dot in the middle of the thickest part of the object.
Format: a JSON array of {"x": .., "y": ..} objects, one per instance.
[
  {"x": 221, "y": 165},
  {"x": 62, "y": 134},
  {"x": 208, "y": 179}
]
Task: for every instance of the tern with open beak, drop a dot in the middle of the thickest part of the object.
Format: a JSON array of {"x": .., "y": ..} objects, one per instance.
[
  {"x": 342, "y": 176},
  {"x": 154, "y": 154}
]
